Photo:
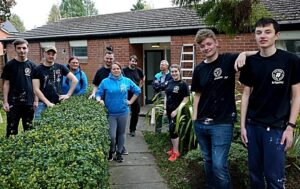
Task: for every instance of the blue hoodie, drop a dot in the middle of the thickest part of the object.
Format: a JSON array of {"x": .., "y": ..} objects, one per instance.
[
  {"x": 116, "y": 92},
  {"x": 80, "y": 88}
]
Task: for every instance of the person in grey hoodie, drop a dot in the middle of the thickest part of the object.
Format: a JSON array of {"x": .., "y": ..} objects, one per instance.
[{"x": 116, "y": 88}]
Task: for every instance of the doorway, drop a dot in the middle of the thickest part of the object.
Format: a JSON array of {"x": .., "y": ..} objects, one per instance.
[{"x": 152, "y": 63}]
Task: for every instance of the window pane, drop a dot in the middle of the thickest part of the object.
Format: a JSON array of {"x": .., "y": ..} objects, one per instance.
[
  {"x": 293, "y": 46},
  {"x": 79, "y": 51}
]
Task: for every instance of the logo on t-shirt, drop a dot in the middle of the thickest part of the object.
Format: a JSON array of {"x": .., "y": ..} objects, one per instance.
[
  {"x": 218, "y": 73},
  {"x": 278, "y": 76},
  {"x": 175, "y": 89},
  {"x": 27, "y": 71},
  {"x": 123, "y": 88}
]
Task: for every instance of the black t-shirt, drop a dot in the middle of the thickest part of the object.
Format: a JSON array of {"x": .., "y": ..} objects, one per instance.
[
  {"x": 216, "y": 83},
  {"x": 136, "y": 75},
  {"x": 101, "y": 74},
  {"x": 19, "y": 75},
  {"x": 271, "y": 79},
  {"x": 51, "y": 78},
  {"x": 175, "y": 93}
]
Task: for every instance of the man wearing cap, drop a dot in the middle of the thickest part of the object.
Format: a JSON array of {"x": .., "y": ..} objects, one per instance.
[{"x": 47, "y": 81}]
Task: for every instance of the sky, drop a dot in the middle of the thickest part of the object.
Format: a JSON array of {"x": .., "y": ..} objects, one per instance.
[{"x": 34, "y": 13}]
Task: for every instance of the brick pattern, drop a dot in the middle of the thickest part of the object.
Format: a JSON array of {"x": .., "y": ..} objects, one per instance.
[{"x": 122, "y": 49}]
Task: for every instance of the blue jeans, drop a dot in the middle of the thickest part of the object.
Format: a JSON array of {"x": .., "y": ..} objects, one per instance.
[
  {"x": 38, "y": 112},
  {"x": 215, "y": 141},
  {"x": 266, "y": 157}
]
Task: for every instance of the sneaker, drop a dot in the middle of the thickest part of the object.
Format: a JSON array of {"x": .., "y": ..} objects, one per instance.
[
  {"x": 124, "y": 151},
  {"x": 174, "y": 156},
  {"x": 170, "y": 152},
  {"x": 132, "y": 133},
  {"x": 110, "y": 156},
  {"x": 119, "y": 158}
]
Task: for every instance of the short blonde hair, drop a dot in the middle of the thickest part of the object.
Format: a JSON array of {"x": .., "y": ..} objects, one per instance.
[{"x": 202, "y": 34}]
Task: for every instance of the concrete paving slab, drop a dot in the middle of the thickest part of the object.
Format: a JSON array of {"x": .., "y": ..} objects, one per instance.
[
  {"x": 134, "y": 159},
  {"x": 134, "y": 175},
  {"x": 159, "y": 185}
]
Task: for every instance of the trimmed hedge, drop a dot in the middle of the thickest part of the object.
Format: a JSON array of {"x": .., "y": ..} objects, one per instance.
[{"x": 66, "y": 149}]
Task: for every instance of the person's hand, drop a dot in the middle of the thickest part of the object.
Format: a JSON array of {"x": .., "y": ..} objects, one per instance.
[
  {"x": 129, "y": 102},
  {"x": 244, "y": 136},
  {"x": 6, "y": 107},
  {"x": 64, "y": 97},
  {"x": 92, "y": 96},
  {"x": 35, "y": 105},
  {"x": 174, "y": 113},
  {"x": 50, "y": 105},
  {"x": 240, "y": 61},
  {"x": 100, "y": 102},
  {"x": 287, "y": 138}
]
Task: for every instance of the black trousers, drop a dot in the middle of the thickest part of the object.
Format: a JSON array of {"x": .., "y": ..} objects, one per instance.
[
  {"x": 26, "y": 112},
  {"x": 135, "y": 111}
]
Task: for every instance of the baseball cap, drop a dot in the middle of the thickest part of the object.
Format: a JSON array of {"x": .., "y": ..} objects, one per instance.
[{"x": 49, "y": 48}]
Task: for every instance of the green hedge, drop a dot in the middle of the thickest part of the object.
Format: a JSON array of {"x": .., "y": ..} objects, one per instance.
[{"x": 66, "y": 149}]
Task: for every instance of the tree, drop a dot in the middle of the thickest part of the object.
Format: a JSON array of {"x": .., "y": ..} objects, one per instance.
[
  {"x": 229, "y": 16},
  {"x": 17, "y": 22},
  {"x": 5, "y": 6},
  {"x": 77, "y": 8},
  {"x": 54, "y": 14},
  {"x": 140, "y": 5}
]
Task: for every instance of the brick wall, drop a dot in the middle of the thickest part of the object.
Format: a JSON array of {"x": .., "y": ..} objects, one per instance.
[{"x": 123, "y": 50}]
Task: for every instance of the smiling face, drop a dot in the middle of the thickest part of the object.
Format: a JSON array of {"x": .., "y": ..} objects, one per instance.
[
  {"x": 132, "y": 63},
  {"x": 175, "y": 73},
  {"x": 74, "y": 64},
  {"x": 266, "y": 36},
  {"x": 208, "y": 47},
  {"x": 116, "y": 70},
  {"x": 108, "y": 59}
]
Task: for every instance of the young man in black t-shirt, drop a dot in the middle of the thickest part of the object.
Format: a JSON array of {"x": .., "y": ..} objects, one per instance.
[
  {"x": 102, "y": 72},
  {"x": 214, "y": 110},
  {"x": 47, "y": 81},
  {"x": 270, "y": 106},
  {"x": 137, "y": 76},
  {"x": 18, "y": 97}
]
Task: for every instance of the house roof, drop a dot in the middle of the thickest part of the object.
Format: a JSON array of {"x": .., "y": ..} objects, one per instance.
[
  {"x": 284, "y": 11},
  {"x": 146, "y": 22},
  {"x": 123, "y": 24},
  {"x": 8, "y": 27}
]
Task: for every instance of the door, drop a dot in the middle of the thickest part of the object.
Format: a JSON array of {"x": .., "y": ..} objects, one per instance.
[{"x": 152, "y": 63}]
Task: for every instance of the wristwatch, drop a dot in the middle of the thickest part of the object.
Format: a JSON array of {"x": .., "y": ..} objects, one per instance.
[{"x": 291, "y": 124}]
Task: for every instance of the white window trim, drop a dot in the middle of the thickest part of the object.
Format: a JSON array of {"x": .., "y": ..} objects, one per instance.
[
  {"x": 78, "y": 43},
  {"x": 46, "y": 44}
]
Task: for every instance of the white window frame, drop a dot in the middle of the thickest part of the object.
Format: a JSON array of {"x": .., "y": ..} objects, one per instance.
[{"x": 78, "y": 43}]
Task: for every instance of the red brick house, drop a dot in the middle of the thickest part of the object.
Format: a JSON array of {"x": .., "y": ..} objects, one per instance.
[
  {"x": 6, "y": 30},
  {"x": 152, "y": 35}
]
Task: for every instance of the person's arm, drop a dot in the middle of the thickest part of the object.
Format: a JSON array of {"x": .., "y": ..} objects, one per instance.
[
  {"x": 39, "y": 94},
  {"x": 195, "y": 105},
  {"x": 74, "y": 80},
  {"x": 142, "y": 81},
  {"x": 5, "y": 95},
  {"x": 287, "y": 136},
  {"x": 184, "y": 101},
  {"x": 135, "y": 90},
  {"x": 241, "y": 59},
  {"x": 244, "y": 108}
]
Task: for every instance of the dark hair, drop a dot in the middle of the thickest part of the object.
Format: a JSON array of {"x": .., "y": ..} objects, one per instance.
[
  {"x": 109, "y": 50},
  {"x": 20, "y": 41},
  {"x": 79, "y": 68},
  {"x": 267, "y": 21}
]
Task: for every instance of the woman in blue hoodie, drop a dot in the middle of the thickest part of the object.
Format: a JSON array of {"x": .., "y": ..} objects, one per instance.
[
  {"x": 73, "y": 65},
  {"x": 116, "y": 87}
]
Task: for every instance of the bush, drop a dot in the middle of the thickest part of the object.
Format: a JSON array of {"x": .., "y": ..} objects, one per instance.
[{"x": 66, "y": 149}]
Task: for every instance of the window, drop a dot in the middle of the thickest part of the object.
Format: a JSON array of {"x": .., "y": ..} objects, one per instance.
[
  {"x": 79, "y": 48},
  {"x": 80, "y": 52},
  {"x": 293, "y": 46}
]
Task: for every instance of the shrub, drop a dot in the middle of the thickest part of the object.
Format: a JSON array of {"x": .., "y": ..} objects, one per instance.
[{"x": 66, "y": 149}]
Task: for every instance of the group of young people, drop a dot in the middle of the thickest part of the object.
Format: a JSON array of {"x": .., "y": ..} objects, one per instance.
[{"x": 269, "y": 108}]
